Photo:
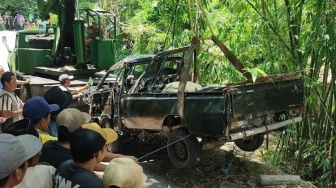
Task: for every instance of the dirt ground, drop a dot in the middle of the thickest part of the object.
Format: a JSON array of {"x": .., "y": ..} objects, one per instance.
[{"x": 222, "y": 167}]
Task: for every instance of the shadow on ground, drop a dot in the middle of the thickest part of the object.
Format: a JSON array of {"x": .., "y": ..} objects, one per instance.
[{"x": 218, "y": 168}]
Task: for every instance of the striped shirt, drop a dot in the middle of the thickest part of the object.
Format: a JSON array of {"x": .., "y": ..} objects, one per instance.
[{"x": 10, "y": 102}]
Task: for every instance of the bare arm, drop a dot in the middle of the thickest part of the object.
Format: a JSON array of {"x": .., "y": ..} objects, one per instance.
[
  {"x": 100, "y": 167},
  {"x": 5, "y": 106},
  {"x": 9, "y": 114},
  {"x": 109, "y": 156},
  {"x": 20, "y": 82},
  {"x": 80, "y": 89}
]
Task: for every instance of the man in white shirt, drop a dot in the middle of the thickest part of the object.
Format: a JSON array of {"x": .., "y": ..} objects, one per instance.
[{"x": 65, "y": 81}]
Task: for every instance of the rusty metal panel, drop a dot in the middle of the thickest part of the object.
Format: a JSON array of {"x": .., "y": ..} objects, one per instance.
[{"x": 267, "y": 98}]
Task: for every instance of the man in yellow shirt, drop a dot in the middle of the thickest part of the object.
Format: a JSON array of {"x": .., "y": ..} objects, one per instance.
[{"x": 38, "y": 111}]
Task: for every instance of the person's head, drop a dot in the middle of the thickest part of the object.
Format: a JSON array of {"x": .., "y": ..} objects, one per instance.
[
  {"x": 94, "y": 25},
  {"x": 14, "y": 153},
  {"x": 56, "y": 95},
  {"x": 8, "y": 80},
  {"x": 89, "y": 142},
  {"x": 2, "y": 70},
  {"x": 68, "y": 121},
  {"x": 22, "y": 127},
  {"x": 38, "y": 111},
  {"x": 123, "y": 172},
  {"x": 65, "y": 80}
]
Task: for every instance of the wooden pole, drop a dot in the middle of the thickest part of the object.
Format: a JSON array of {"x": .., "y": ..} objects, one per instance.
[{"x": 184, "y": 75}]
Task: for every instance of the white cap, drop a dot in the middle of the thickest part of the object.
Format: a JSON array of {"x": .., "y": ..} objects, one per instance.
[
  {"x": 123, "y": 172},
  {"x": 65, "y": 77},
  {"x": 72, "y": 119}
]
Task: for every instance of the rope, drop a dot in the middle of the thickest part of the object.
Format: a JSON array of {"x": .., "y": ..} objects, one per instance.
[{"x": 162, "y": 148}]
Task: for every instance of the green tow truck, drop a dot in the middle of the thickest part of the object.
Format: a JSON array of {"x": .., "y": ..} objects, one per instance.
[{"x": 44, "y": 54}]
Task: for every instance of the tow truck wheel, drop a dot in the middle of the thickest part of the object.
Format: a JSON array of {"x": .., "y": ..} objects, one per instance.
[
  {"x": 185, "y": 153},
  {"x": 250, "y": 144},
  {"x": 114, "y": 146}
]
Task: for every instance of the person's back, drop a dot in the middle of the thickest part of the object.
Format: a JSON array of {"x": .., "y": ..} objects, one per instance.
[
  {"x": 54, "y": 154},
  {"x": 40, "y": 175},
  {"x": 70, "y": 175}
]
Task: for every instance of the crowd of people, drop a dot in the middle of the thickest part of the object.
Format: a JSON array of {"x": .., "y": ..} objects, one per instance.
[
  {"x": 32, "y": 155},
  {"x": 9, "y": 22},
  {"x": 18, "y": 22}
]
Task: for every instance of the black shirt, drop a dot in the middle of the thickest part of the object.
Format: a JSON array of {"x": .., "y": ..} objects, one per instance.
[
  {"x": 70, "y": 176},
  {"x": 54, "y": 154}
]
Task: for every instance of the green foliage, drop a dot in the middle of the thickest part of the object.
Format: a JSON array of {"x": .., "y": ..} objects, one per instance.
[
  {"x": 12, "y": 7},
  {"x": 268, "y": 37},
  {"x": 255, "y": 72}
]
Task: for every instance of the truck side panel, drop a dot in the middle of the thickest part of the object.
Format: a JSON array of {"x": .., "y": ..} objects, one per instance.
[
  {"x": 266, "y": 98},
  {"x": 204, "y": 112}
]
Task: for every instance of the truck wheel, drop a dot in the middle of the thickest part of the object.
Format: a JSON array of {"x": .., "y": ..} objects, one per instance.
[
  {"x": 250, "y": 144},
  {"x": 114, "y": 146},
  {"x": 185, "y": 153}
]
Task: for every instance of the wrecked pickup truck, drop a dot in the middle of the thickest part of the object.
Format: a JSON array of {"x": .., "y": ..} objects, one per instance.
[{"x": 137, "y": 94}]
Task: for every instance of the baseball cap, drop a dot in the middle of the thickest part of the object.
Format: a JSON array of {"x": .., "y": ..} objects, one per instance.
[
  {"x": 90, "y": 138},
  {"x": 15, "y": 150},
  {"x": 56, "y": 95},
  {"x": 65, "y": 77},
  {"x": 123, "y": 172},
  {"x": 72, "y": 119},
  {"x": 36, "y": 107},
  {"x": 21, "y": 127}
]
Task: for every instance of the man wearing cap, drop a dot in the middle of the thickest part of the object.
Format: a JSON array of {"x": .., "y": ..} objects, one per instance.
[
  {"x": 68, "y": 120},
  {"x": 65, "y": 81},
  {"x": 10, "y": 104},
  {"x": 14, "y": 153},
  {"x": 38, "y": 111},
  {"x": 56, "y": 152},
  {"x": 123, "y": 173},
  {"x": 88, "y": 147},
  {"x": 37, "y": 175},
  {"x": 63, "y": 99}
]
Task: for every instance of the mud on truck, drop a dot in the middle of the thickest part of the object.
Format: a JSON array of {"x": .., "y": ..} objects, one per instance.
[{"x": 141, "y": 94}]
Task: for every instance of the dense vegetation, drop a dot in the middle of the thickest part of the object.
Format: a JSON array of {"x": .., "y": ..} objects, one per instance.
[{"x": 278, "y": 36}]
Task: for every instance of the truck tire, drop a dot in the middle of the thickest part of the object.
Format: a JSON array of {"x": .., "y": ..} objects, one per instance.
[
  {"x": 185, "y": 153},
  {"x": 250, "y": 144}
]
